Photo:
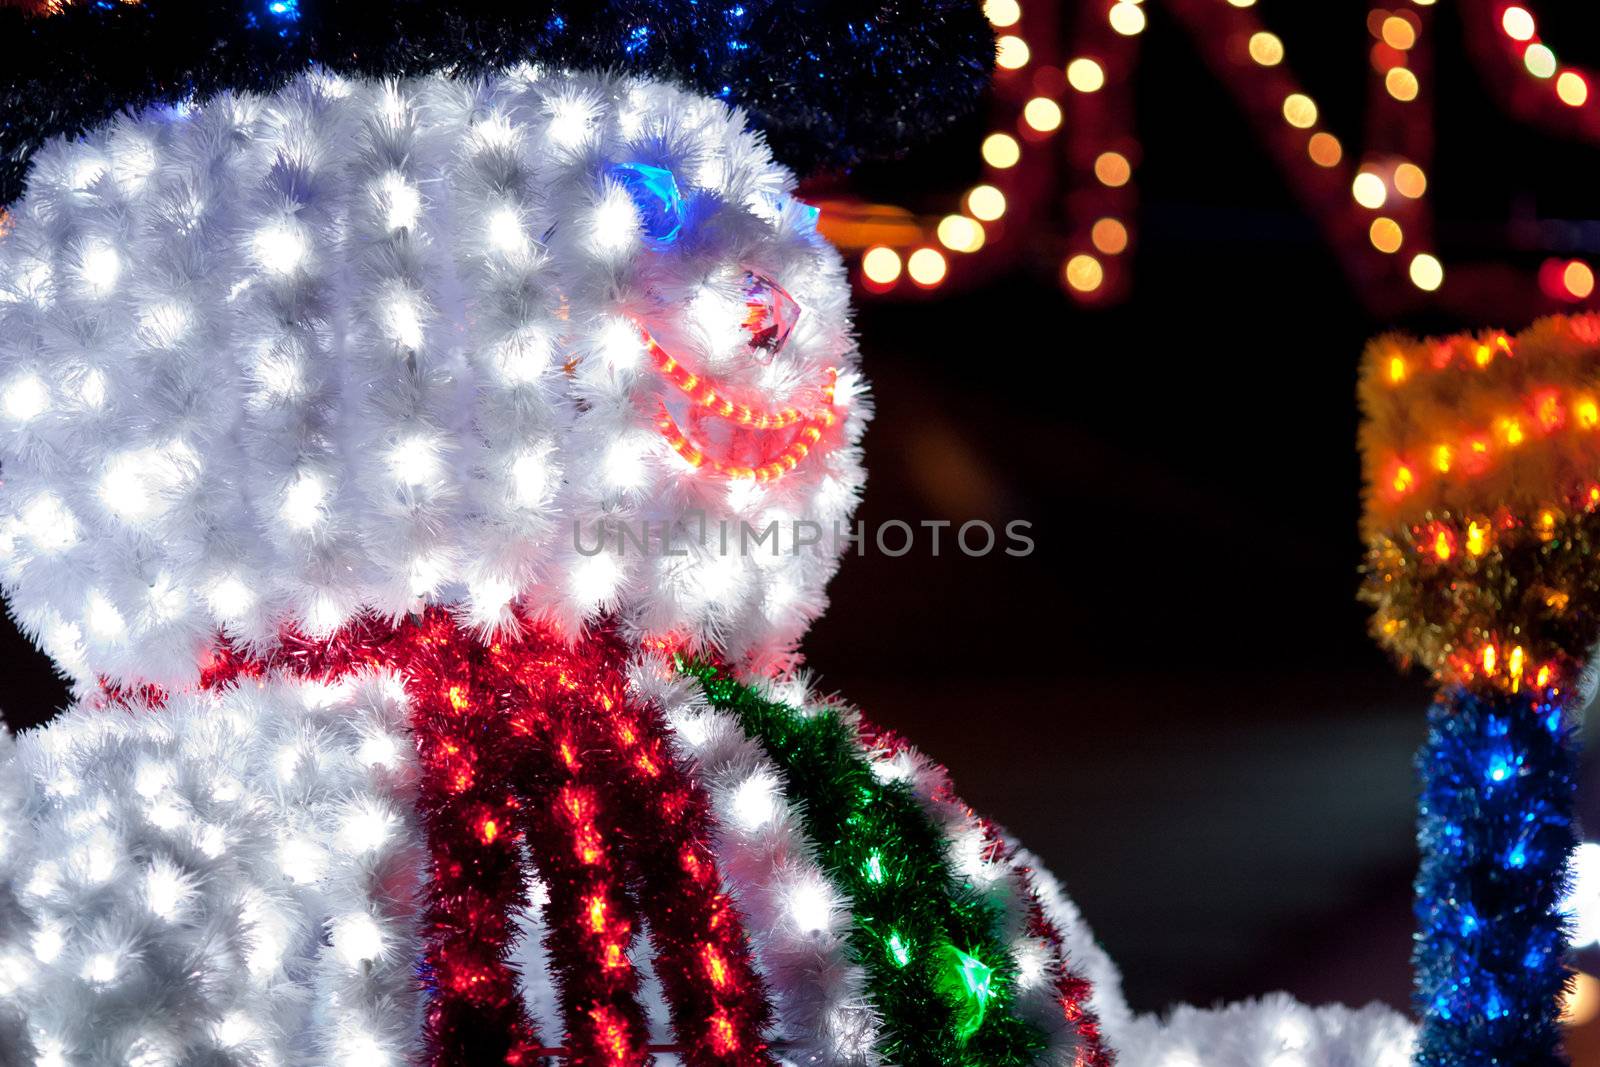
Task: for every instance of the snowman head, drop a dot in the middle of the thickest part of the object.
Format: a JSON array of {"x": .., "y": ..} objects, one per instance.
[{"x": 546, "y": 345}]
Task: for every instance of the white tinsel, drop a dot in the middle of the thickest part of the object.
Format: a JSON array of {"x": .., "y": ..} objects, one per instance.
[
  {"x": 367, "y": 345},
  {"x": 230, "y": 878},
  {"x": 797, "y": 918}
]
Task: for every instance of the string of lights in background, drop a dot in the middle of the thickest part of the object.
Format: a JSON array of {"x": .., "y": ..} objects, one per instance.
[{"x": 1370, "y": 199}]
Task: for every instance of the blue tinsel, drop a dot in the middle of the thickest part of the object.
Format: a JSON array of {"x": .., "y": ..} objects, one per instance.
[
  {"x": 830, "y": 81},
  {"x": 1495, "y": 830}
]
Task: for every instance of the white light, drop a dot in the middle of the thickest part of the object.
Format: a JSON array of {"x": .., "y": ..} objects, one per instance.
[
  {"x": 266, "y": 931},
  {"x": 405, "y": 322},
  {"x": 402, "y": 203},
  {"x": 415, "y": 460},
  {"x": 495, "y": 132},
  {"x": 211, "y": 841},
  {"x": 101, "y": 968},
  {"x": 594, "y": 579},
  {"x": 152, "y": 779},
  {"x": 1293, "y": 1032},
  {"x": 302, "y": 501},
  {"x": 165, "y": 890},
  {"x": 234, "y": 1029},
  {"x": 302, "y": 860},
  {"x": 620, "y": 345},
  {"x": 164, "y": 323},
  {"x": 367, "y": 826},
  {"x": 280, "y": 249},
  {"x": 1033, "y": 963},
  {"x": 811, "y": 907},
  {"x": 104, "y": 620},
  {"x": 360, "y": 1049},
  {"x": 615, "y": 222},
  {"x": 101, "y": 266},
  {"x": 718, "y": 318},
  {"x": 624, "y": 464},
  {"x": 227, "y": 789},
  {"x": 229, "y": 597},
  {"x": 570, "y": 122},
  {"x": 323, "y": 614},
  {"x": 754, "y": 802},
  {"x": 896, "y": 768},
  {"x": 379, "y": 750},
  {"x": 278, "y": 373},
  {"x": 1583, "y": 900},
  {"x": 92, "y": 388},
  {"x": 48, "y": 523},
  {"x": 490, "y": 594},
  {"x": 26, "y": 397},
  {"x": 287, "y": 763},
  {"x": 167, "y": 600},
  {"x": 86, "y": 172},
  {"x": 530, "y": 477},
  {"x": 523, "y": 358},
  {"x": 48, "y": 943},
  {"x": 427, "y": 572},
  {"x": 1288, "y": 1059},
  {"x": 505, "y": 232},
  {"x": 357, "y": 938},
  {"x": 52, "y": 1053}
]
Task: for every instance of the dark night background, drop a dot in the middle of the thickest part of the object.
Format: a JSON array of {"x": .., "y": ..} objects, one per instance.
[{"x": 1174, "y": 699}]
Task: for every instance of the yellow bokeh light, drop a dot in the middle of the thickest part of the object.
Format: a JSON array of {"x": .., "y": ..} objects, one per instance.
[
  {"x": 1572, "y": 89},
  {"x": 1300, "y": 111},
  {"x": 1126, "y": 18},
  {"x": 1325, "y": 149},
  {"x": 1409, "y": 181},
  {"x": 1084, "y": 273},
  {"x": 1266, "y": 48},
  {"x": 1085, "y": 75},
  {"x": 1401, "y": 83},
  {"x": 986, "y": 203},
  {"x": 1518, "y": 24},
  {"x": 881, "y": 265},
  {"x": 1243, "y": 3},
  {"x": 1109, "y": 236},
  {"x": 1579, "y": 279},
  {"x": 1386, "y": 235},
  {"x": 1002, "y": 12},
  {"x": 1427, "y": 273},
  {"x": 960, "y": 234},
  {"x": 927, "y": 266},
  {"x": 1369, "y": 190},
  {"x": 1580, "y": 1003},
  {"x": 1010, "y": 52},
  {"x": 1399, "y": 33},
  {"x": 1113, "y": 169},
  {"x": 1000, "y": 150},
  {"x": 1540, "y": 61},
  {"x": 1042, "y": 113}
]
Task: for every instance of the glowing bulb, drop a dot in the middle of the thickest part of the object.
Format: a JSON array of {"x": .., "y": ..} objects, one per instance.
[
  {"x": 1299, "y": 111},
  {"x": 302, "y": 861},
  {"x": 25, "y": 397},
  {"x": 49, "y": 524},
  {"x": 367, "y": 826},
  {"x": 1084, "y": 273},
  {"x": 279, "y": 249},
  {"x": 1126, "y": 18},
  {"x": 1085, "y": 75},
  {"x": 229, "y": 597},
  {"x": 1109, "y": 236},
  {"x": 1369, "y": 190},
  {"x": 960, "y": 234},
  {"x": 505, "y": 232},
  {"x": 881, "y": 265},
  {"x": 302, "y": 501},
  {"x": 357, "y": 938},
  {"x": 1427, "y": 273},
  {"x": 101, "y": 968},
  {"x": 104, "y": 620},
  {"x": 101, "y": 267},
  {"x": 1002, "y": 13},
  {"x": 754, "y": 802},
  {"x": 570, "y": 122},
  {"x": 1578, "y": 279},
  {"x": 402, "y": 202},
  {"x": 1540, "y": 61},
  {"x": 1113, "y": 169},
  {"x": 1266, "y": 48},
  {"x": 1000, "y": 151},
  {"x": 927, "y": 267},
  {"x": 1324, "y": 149},
  {"x": 1518, "y": 24},
  {"x": 1043, "y": 113},
  {"x": 986, "y": 203},
  {"x": 1011, "y": 52},
  {"x": 1401, "y": 84},
  {"x": 615, "y": 223},
  {"x": 1386, "y": 235},
  {"x": 1243, "y": 3},
  {"x": 1398, "y": 33},
  {"x": 1410, "y": 181},
  {"x": 530, "y": 476},
  {"x": 1572, "y": 89},
  {"x": 811, "y": 907},
  {"x": 165, "y": 889},
  {"x": 415, "y": 460}
]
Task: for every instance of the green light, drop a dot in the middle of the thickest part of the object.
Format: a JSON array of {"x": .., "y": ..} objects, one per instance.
[
  {"x": 972, "y": 987},
  {"x": 975, "y": 975},
  {"x": 874, "y": 867},
  {"x": 899, "y": 951}
]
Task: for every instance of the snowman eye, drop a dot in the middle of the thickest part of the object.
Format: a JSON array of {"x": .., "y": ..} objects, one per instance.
[
  {"x": 770, "y": 315},
  {"x": 654, "y": 192}
]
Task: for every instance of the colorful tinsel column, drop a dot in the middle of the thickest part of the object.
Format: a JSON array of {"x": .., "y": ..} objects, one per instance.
[{"x": 1482, "y": 522}]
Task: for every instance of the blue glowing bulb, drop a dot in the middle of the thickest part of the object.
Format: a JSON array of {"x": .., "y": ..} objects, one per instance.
[{"x": 655, "y": 193}]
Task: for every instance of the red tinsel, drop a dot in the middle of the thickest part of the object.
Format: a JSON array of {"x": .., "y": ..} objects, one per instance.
[{"x": 534, "y": 756}]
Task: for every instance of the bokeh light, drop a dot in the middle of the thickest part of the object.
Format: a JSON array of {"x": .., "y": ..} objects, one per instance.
[
  {"x": 1085, "y": 75},
  {"x": 1578, "y": 279},
  {"x": 1002, "y": 13},
  {"x": 1427, "y": 273},
  {"x": 1011, "y": 52},
  {"x": 1266, "y": 48},
  {"x": 1126, "y": 18},
  {"x": 1324, "y": 149},
  {"x": 1399, "y": 33},
  {"x": 986, "y": 203},
  {"x": 1517, "y": 23},
  {"x": 1109, "y": 236},
  {"x": 1410, "y": 181},
  {"x": 881, "y": 265},
  {"x": 927, "y": 267},
  {"x": 1369, "y": 190},
  {"x": 1300, "y": 111},
  {"x": 960, "y": 234},
  {"x": 1042, "y": 113},
  {"x": 1084, "y": 273},
  {"x": 1113, "y": 169},
  {"x": 1540, "y": 61},
  {"x": 1572, "y": 88},
  {"x": 1386, "y": 235},
  {"x": 1000, "y": 150},
  {"x": 1401, "y": 84}
]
